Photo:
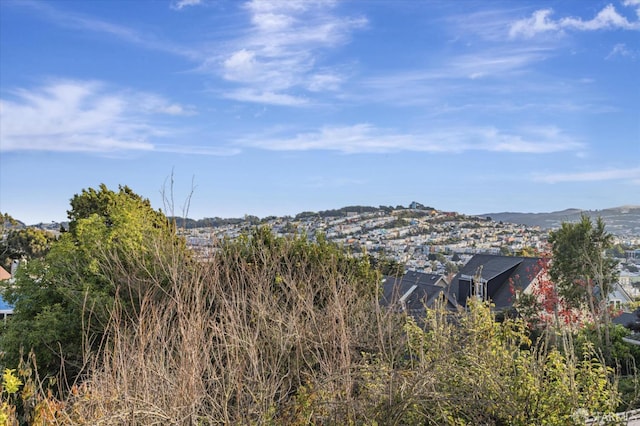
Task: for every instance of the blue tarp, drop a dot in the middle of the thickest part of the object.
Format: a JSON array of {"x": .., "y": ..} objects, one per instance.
[{"x": 4, "y": 306}]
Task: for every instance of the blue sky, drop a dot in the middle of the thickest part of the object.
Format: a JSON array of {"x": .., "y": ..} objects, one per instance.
[{"x": 277, "y": 107}]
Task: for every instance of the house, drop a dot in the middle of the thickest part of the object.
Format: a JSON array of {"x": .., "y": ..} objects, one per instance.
[
  {"x": 488, "y": 277},
  {"x": 414, "y": 291},
  {"x": 494, "y": 277},
  {"x": 4, "y": 275},
  {"x": 619, "y": 298}
]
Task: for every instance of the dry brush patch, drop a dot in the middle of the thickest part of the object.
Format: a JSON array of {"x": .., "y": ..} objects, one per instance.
[
  {"x": 238, "y": 339},
  {"x": 284, "y": 331}
]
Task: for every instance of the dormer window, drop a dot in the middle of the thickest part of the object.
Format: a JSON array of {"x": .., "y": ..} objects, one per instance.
[{"x": 479, "y": 289}]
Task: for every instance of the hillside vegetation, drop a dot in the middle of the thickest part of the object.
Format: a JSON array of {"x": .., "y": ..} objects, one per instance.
[{"x": 267, "y": 330}]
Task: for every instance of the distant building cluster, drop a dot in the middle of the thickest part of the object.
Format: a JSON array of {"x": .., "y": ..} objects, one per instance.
[{"x": 426, "y": 241}]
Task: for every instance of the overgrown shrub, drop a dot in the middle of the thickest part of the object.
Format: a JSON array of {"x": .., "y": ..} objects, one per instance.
[{"x": 275, "y": 330}]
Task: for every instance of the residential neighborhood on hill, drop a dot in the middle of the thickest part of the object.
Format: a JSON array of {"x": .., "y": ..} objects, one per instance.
[
  {"x": 425, "y": 240},
  {"x": 421, "y": 238}
]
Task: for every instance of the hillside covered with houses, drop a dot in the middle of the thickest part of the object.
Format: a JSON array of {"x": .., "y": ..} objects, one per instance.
[{"x": 420, "y": 238}]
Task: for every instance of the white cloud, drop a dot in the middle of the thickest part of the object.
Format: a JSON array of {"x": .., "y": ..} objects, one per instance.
[
  {"x": 280, "y": 51},
  {"x": 493, "y": 63},
  {"x": 633, "y": 3},
  {"x": 631, "y": 175},
  {"x": 365, "y": 138},
  {"x": 607, "y": 18},
  {"x": 486, "y": 24},
  {"x": 153, "y": 104},
  {"x": 541, "y": 22},
  {"x": 620, "y": 49},
  {"x": 538, "y": 23},
  {"x": 180, "y": 4},
  {"x": 324, "y": 81},
  {"x": 486, "y": 76},
  {"x": 265, "y": 97},
  {"x": 83, "y": 116},
  {"x": 77, "y": 21},
  {"x": 241, "y": 66}
]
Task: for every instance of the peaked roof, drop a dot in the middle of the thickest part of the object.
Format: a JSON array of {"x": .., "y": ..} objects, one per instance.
[
  {"x": 498, "y": 272},
  {"x": 4, "y": 275},
  {"x": 413, "y": 291},
  {"x": 619, "y": 290}
]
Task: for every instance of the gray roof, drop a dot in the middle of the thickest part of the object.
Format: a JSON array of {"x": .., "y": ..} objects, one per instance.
[
  {"x": 500, "y": 273},
  {"x": 414, "y": 291},
  {"x": 627, "y": 319}
]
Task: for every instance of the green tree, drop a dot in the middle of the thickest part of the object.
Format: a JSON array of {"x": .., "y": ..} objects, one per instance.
[
  {"x": 582, "y": 271},
  {"x": 26, "y": 243},
  {"x": 62, "y": 302},
  {"x": 6, "y": 221},
  {"x": 386, "y": 265},
  {"x": 451, "y": 268},
  {"x": 527, "y": 252}
]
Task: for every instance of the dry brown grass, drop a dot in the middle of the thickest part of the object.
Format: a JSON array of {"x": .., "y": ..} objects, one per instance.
[
  {"x": 280, "y": 331},
  {"x": 239, "y": 339}
]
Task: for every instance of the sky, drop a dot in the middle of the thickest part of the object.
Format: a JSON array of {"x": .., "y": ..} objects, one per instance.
[{"x": 276, "y": 107}]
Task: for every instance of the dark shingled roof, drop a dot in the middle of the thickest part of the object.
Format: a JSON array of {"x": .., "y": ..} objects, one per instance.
[
  {"x": 630, "y": 320},
  {"x": 413, "y": 291},
  {"x": 498, "y": 272}
]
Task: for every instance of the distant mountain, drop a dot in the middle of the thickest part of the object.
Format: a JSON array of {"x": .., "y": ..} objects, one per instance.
[
  {"x": 623, "y": 220},
  {"x": 17, "y": 225}
]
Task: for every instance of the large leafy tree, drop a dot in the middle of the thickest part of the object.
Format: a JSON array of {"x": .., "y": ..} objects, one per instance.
[
  {"x": 63, "y": 301},
  {"x": 25, "y": 243},
  {"x": 583, "y": 272}
]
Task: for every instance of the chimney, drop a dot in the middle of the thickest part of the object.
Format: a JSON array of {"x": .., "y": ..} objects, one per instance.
[{"x": 14, "y": 267}]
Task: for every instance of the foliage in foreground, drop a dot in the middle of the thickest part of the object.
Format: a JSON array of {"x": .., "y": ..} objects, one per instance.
[
  {"x": 267, "y": 330},
  {"x": 62, "y": 301},
  {"x": 284, "y": 331}
]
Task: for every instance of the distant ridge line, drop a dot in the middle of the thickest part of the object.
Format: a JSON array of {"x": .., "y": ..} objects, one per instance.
[
  {"x": 618, "y": 220},
  {"x": 623, "y": 220}
]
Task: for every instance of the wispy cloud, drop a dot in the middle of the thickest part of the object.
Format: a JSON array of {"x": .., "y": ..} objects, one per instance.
[
  {"x": 488, "y": 73},
  {"x": 608, "y": 18},
  {"x": 180, "y": 4},
  {"x": 490, "y": 62},
  {"x": 621, "y": 50},
  {"x": 487, "y": 24},
  {"x": 365, "y": 138},
  {"x": 70, "y": 19},
  {"x": 631, "y": 175},
  {"x": 280, "y": 51},
  {"x": 85, "y": 116},
  {"x": 265, "y": 97},
  {"x": 493, "y": 63}
]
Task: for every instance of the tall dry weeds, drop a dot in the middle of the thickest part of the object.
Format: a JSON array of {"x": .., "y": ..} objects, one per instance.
[
  {"x": 283, "y": 331},
  {"x": 237, "y": 339}
]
